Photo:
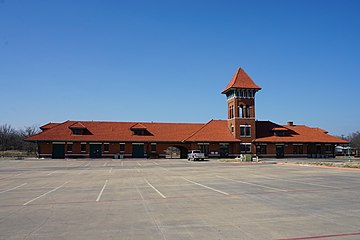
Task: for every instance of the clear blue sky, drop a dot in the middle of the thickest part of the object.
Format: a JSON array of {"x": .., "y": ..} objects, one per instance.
[{"x": 168, "y": 61}]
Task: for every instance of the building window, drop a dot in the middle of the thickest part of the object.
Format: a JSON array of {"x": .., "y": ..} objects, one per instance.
[
  {"x": 232, "y": 128},
  {"x": 83, "y": 147},
  {"x": 328, "y": 148},
  {"x": 298, "y": 149},
  {"x": 153, "y": 147},
  {"x": 245, "y": 147},
  {"x": 261, "y": 149},
  {"x": 106, "y": 147},
  {"x": 69, "y": 147},
  {"x": 77, "y": 131},
  {"x": 241, "y": 115},
  {"x": 245, "y": 130},
  {"x": 204, "y": 147},
  {"x": 122, "y": 147}
]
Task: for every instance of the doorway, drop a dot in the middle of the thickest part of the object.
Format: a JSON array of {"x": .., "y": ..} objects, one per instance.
[
  {"x": 95, "y": 150},
  {"x": 279, "y": 151}
]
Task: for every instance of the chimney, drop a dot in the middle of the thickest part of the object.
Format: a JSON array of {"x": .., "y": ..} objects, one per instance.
[{"x": 290, "y": 124}]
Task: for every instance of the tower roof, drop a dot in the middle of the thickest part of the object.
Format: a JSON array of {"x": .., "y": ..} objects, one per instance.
[{"x": 241, "y": 80}]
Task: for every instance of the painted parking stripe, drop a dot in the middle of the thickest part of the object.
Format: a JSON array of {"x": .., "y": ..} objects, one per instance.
[
  {"x": 101, "y": 192},
  {"x": 42, "y": 195},
  {"x": 155, "y": 163},
  {"x": 52, "y": 173},
  {"x": 139, "y": 164},
  {"x": 199, "y": 184},
  {"x": 324, "y": 236},
  {"x": 8, "y": 190},
  {"x": 162, "y": 195},
  {"x": 110, "y": 170},
  {"x": 105, "y": 164},
  {"x": 295, "y": 181},
  {"x": 254, "y": 184}
]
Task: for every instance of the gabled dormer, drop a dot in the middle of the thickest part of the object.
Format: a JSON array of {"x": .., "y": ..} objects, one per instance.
[
  {"x": 79, "y": 129},
  {"x": 140, "y": 130}
]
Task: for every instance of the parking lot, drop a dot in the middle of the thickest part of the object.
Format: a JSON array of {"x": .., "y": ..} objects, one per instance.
[{"x": 176, "y": 199}]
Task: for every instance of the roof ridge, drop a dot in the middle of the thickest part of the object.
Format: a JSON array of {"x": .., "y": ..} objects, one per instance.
[{"x": 198, "y": 130}]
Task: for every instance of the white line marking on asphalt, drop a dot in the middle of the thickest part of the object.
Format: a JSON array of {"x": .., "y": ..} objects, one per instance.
[
  {"x": 138, "y": 170},
  {"x": 155, "y": 163},
  {"x": 162, "y": 195},
  {"x": 138, "y": 164},
  {"x": 52, "y": 173},
  {"x": 13, "y": 188},
  {"x": 105, "y": 164},
  {"x": 122, "y": 163},
  {"x": 254, "y": 184},
  {"x": 225, "y": 193},
  {"x": 42, "y": 195},
  {"x": 110, "y": 170},
  {"x": 164, "y": 169},
  {"x": 295, "y": 181},
  {"x": 102, "y": 190}
]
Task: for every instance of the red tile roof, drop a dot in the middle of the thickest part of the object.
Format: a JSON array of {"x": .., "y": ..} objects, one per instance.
[
  {"x": 119, "y": 131},
  {"x": 77, "y": 125},
  {"x": 296, "y": 134},
  {"x": 213, "y": 131},
  {"x": 49, "y": 125},
  {"x": 241, "y": 80},
  {"x": 138, "y": 126}
]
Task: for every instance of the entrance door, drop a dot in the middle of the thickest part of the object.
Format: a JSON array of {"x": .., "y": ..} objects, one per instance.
[
  {"x": 224, "y": 150},
  {"x": 95, "y": 150},
  {"x": 279, "y": 151},
  {"x": 138, "y": 151},
  {"x": 58, "y": 151}
]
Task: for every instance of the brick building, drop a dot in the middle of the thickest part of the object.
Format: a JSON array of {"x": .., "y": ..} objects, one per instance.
[{"x": 240, "y": 133}]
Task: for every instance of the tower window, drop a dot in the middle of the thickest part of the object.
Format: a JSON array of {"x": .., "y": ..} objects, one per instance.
[
  {"x": 232, "y": 128},
  {"x": 245, "y": 130},
  {"x": 241, "y": 115}
]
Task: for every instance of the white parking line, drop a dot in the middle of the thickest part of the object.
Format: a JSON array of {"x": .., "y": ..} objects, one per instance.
[
  {"x": 254, "y": 184},
  {"x": 42, "y": 195},
  {"x": 295, "y": 181},
  {"x": 164, "y": 168},
  {"x": 139, "y": 164},
  {"x": 225, "y": 193},
  {"x": 110, "y": 170},
  {"x": 102, "y": 190},
  {"x": 122, "y": 163},
  {"x": 155, "y": 163},
  {"x": 105, "y": 164},
  {"x": 52, "y": 173},
  {"x": 8, "y": 190},
  {"x": 162, "y": 195}
]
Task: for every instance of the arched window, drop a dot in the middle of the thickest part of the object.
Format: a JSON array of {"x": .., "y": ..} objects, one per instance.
[{"x": 241, "y": 114}]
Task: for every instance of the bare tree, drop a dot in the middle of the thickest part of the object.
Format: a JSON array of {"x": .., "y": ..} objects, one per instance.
[
  {"x": 27, "y": 132},
  {"x": 7, "y": 137},
  {"x": 355, "y": 139}
]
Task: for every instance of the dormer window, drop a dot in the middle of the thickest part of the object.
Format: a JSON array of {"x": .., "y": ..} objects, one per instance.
[
  {"x": 280, "y": 131},
  {"x": 140, "y": 130},
  {"x": 79, "y": 129}
]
